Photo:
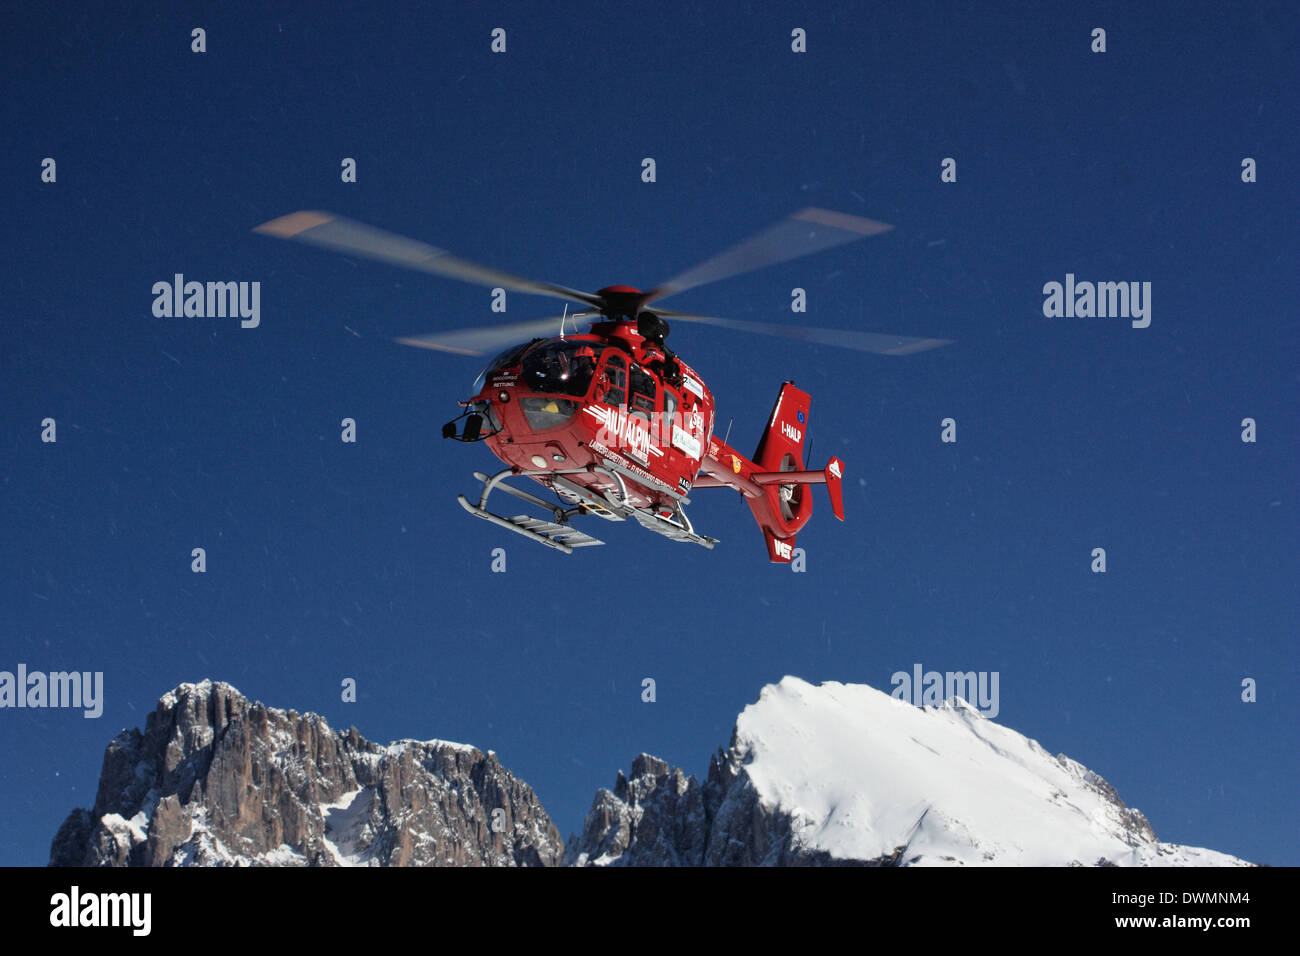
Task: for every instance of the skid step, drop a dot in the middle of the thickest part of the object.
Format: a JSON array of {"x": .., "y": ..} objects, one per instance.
[
  {"x": 562, "y": 537},
  {"x": 556, "y": 532}
]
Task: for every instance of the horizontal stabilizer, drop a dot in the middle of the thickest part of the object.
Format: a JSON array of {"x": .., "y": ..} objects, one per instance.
[{"x": 830, "y": 477}]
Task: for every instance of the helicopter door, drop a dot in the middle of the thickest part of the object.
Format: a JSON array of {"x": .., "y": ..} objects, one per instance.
[
  {"x": 642, "y": 394},
  {"x": 616, "y": 374},
  {"x": 664, "y": 431},
  {"x": 641, "y": 409}
]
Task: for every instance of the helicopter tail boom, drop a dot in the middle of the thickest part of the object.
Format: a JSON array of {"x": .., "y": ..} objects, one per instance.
[{"x": 774, "y": 482}]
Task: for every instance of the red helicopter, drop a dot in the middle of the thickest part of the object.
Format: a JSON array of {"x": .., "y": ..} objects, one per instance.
[{"x": 612, "y": 420}]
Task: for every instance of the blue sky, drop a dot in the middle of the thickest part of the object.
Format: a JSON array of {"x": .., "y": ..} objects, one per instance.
[{"x": 329, "y": 560}]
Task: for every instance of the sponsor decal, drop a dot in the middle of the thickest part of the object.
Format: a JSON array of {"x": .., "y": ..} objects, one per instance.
[
  {"x": 834, "y": 467},
  {"x": 782, "y": 549},
  {"x": 735, "y": 464},
  {"x": 693, "y": 386},
  {"x": 686, "y": 442},
  {"x": 800, "y": 416}
]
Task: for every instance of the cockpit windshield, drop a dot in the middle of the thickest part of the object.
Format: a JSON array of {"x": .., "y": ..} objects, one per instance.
[
  {"x": 561, "y": 368},
  {"x": 507, "y": 358}
]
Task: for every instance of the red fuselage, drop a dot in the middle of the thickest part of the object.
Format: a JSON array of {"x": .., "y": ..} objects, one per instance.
[{"x": 610, "y": 398}]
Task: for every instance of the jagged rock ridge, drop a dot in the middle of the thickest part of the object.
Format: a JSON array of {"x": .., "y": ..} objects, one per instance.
[{"x": 218, "y": 780}]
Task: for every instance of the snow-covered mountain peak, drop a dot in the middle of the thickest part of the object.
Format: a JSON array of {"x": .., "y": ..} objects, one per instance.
[
  {"x": 862, "y": 774},
  {"x": 846, "y": 774}
]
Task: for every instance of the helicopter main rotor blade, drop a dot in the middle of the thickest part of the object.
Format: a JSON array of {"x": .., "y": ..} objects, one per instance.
[
  {"x": 807, "y": 231},
  {"x": 879, "y": 342},
  {"x": 356, "y": 238},
  {"x": 493, "y": 338}
]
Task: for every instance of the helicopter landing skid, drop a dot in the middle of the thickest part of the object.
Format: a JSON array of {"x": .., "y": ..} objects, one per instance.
[
  {"x": 671, "y": 523},
  {"x": 557, "y": 533},
  {"x": 554, "y": 534}
]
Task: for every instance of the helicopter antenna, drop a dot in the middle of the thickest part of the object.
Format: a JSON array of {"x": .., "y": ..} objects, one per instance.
[
  {"x": 562, "y": 320},
  {"x": 729, "y": 424}
]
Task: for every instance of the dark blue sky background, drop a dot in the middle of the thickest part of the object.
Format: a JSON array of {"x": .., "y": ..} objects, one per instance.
[{"x": 328, "y": 560}]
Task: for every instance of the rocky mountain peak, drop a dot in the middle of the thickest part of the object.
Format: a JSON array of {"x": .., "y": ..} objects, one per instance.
[{"x": 217, "y": 779}]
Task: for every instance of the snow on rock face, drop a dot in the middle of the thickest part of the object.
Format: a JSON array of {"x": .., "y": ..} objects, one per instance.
[
  {"x": 833, "y": 775},
  {"x": 657, "y": 818},
  {"x": 218, "y": 780},
  {"x": 861, "y": 774},
  {"x": 844, "y": 774}
]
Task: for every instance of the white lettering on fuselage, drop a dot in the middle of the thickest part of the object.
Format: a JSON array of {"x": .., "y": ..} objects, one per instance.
[
  {"x": 630, "y": 467},
  {"x": 632, "y": 434}
]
